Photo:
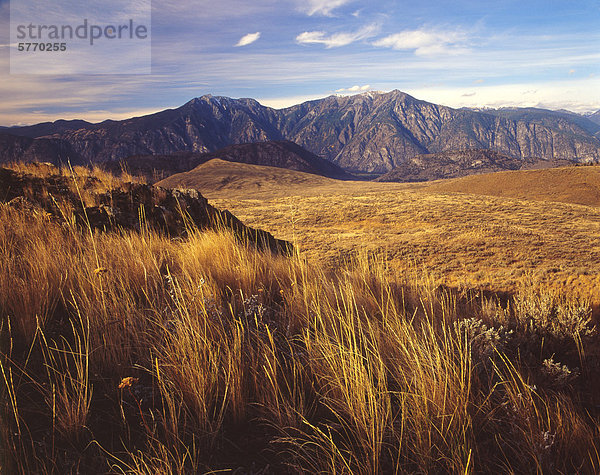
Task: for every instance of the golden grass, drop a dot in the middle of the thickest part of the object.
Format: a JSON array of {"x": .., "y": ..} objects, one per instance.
[
  {"x": 135, "y": 353},
  {"x": 464, "y": 240}
]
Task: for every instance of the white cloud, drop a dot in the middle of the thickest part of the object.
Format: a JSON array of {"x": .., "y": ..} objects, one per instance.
[
  {"x": 337, "y": 39},
  {"x": 248, "y": 39},
  {"x": 364, "y": 88},
  {"x": 426, "y": 43},
  {"x": 283, "y": 102},
  {"x": 322, "y": 7}
]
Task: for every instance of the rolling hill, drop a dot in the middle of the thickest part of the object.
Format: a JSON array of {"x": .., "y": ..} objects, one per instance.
[
  {"x": 218, "y": 177},
  {"x": 281, "y": 154},
  {"x": 575, "y": 185}
]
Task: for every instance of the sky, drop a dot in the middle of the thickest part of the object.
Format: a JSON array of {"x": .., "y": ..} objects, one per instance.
[{"x": 526, "y": 53}]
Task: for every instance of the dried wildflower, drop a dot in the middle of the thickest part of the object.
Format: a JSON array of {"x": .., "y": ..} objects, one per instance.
[
  {"x": 547, "y": 440},
  {"x": 253, "y": 308},
  {"x": 558, "y": 375},
  {"x": 127, "y": 382},
  {"x": 483, "y": 341}
]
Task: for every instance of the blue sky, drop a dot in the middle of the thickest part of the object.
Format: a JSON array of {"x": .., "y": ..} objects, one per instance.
[{"x": 459, "y": 53}]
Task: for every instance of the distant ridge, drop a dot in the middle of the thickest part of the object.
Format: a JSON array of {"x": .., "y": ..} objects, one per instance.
[
  {"x": 436, "y": 166},
  {"x": 15, "y": 148}
]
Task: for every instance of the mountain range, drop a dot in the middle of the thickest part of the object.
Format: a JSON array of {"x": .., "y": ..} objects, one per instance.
[{"x": 370, "y": 132}]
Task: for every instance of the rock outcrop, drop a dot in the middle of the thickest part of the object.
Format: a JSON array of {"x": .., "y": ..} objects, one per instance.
[{"x": 130, "y": 206}]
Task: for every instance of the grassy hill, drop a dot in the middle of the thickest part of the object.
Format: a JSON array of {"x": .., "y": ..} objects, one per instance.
[
  {"x": 223, "y": 177},
  {"x": 577, "y": 185}
]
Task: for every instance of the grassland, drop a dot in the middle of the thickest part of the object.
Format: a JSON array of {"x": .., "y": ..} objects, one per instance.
[
  {"x": 464, "y": 238},
  {"x": 131, "y": 352}
]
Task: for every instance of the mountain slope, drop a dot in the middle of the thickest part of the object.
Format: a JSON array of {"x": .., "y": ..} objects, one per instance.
[
  {"x": 202, "y": 125},
  {"x": 371, "y": 132},
  {"x": 557, "y": 120},
  {"x": 48, "y": 128},
  {"x": 376, "y": 132},
  {"x": 595, "y": 117},
  {"x": 24, "y": 149}
]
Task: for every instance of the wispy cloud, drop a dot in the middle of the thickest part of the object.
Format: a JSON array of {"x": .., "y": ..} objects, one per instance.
[
  {"x": 364, "y": 88},
  {"x": 336, "y": 40},
  {"x": 426, "y": 42},
  {"x": 322, "y": 7},
  {"x": 248, "y": 39}
]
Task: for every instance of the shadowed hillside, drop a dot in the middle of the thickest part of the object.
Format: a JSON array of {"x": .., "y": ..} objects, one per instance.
[
  {"x": 15, "y": 148},
  {"x": 281, "y": 154},
  {"x": 436, "y": 166}
]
